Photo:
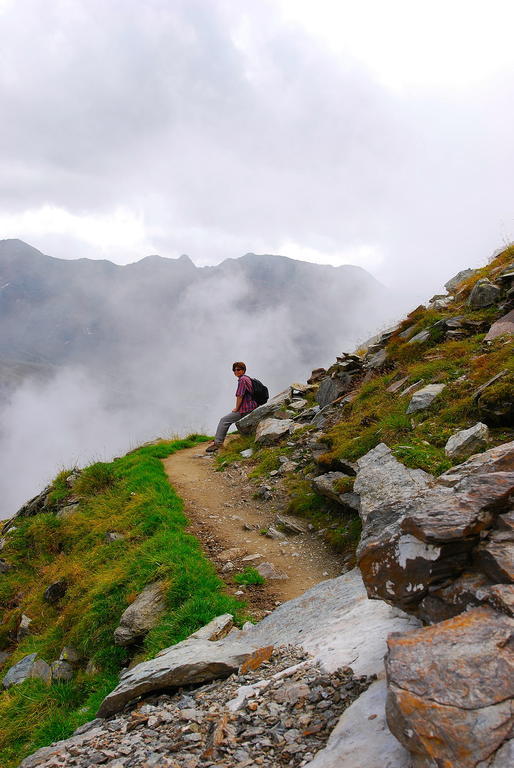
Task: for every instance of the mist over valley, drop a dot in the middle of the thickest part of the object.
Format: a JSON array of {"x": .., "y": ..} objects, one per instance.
[{"x": 96, "y": 357}]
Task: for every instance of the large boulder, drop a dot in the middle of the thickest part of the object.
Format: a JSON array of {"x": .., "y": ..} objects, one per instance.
[
  {"x": 467, "y": 441},
  {"x": 424, "y": 397},
  {"x": 28, "y": 667},
  {"x": 141, "y": 615},
  {"x": 410, "y": 547},
  {"x": 187, "y": 663},
  {"x": 270, "y": 431},
  {"x": 382, "y": 479},
  {"x": 484, "y": 294},
  {"x": 451, "y": 689}
]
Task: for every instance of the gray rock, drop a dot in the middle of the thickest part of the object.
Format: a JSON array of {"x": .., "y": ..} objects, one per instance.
[
  {"x": 23, "y": 627},
  {"x": 30, "y": 666},
  {"x": 291, "y": 524},
  {"x": 459, "y": 278},
  {"x": 497, "y": 459},
  {"x": 70, "y": 654},
  {"x": 247, "y": 454},
  {"x": 376, "y": 361},
  {"x": 397, "y": 385},
  {"x": 420, "y": 337},
  {"x": 68, "y": 511},
  {"x": 362, "y": 738},
  {"x": 298, "y": 405},
  {"x": 55, "y": 591},
  {"x": 484, "y": 294},
  {"x": 382, "y": 479},
  {"x": 187, "y": 663},
  {"x": 33, "y": 507},
  {"x": 272, "y": 533},
  {"x": 248, "y": 423},
  {"x": 331, "y": 389},
  {"x": 411, "y": 388},
  {"x": 271, "y": 431},
  {"x": 111, "y": 536},
  {"x": 423, "y": 398},
  {"x": 141, "y": 615},
  {"x": 326, "y": 485},
  {"x": 467, "y": 441},
  {"x": 216, "y": 629},
  {"x": 61, "y": 670}
]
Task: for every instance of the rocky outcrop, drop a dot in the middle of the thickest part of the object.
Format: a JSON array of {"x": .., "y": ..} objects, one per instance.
[
  {"x": 411, "y": 546},
  {"x": 467, "y": 441},
  {"x": 451, "y": 689},
  {"x": 141, "y": 615}
]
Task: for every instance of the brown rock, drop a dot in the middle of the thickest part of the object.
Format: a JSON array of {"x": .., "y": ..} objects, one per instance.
[
  {"x": 269, "y": 571},
  {"x": 234, "y": 553},
  {"x": 451, "y": 688},
  {"x": 443, "y": 516},
  {"x": 501, "y": 597},
  {"x": 316, "y": 375},
  {"x": 496, "y": 558},
  {"x": 410, "y": 546}
]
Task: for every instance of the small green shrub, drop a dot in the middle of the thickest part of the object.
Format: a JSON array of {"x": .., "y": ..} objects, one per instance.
[{"x": 249, "y": 576}]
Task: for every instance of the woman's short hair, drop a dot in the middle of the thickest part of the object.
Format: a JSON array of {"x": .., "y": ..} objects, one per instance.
[{"x": 238, "y": 365}]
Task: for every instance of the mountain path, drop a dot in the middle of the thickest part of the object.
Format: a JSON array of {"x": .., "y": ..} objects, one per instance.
[{"x": 219, "y": 504}]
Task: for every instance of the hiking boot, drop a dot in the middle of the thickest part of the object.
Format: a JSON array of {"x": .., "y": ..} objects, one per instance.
[{"x": 213, "y": 447}]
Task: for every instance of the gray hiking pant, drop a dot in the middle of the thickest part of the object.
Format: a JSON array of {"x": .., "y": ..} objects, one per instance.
[{"x": 225, "y": 423}]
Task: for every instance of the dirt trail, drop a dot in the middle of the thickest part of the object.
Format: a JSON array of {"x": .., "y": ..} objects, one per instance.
[{"x": 220, "y": 504}]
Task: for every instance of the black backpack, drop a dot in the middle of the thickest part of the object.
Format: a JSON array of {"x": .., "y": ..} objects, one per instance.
[{"x": 260, "y": 392}]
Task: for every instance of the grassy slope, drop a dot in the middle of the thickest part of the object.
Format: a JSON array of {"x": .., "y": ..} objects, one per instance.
[
  {"x": 132, "y": 496},
  {"x": 376, "y": 416}
]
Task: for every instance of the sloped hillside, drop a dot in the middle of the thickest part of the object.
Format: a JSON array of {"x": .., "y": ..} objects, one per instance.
[
  {"x": 72, "y": 560},
  {"x": 401, "y": 454},
  {"x": 458, "y": 346}
]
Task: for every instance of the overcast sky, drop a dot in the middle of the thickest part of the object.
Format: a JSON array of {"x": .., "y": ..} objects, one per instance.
[{"x": 374, "y": 133}]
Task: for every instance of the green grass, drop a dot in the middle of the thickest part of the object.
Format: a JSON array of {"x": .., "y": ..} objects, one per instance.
[
  {"x": 249, "y": 576},
  {"x": 132, "y": 496}
]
